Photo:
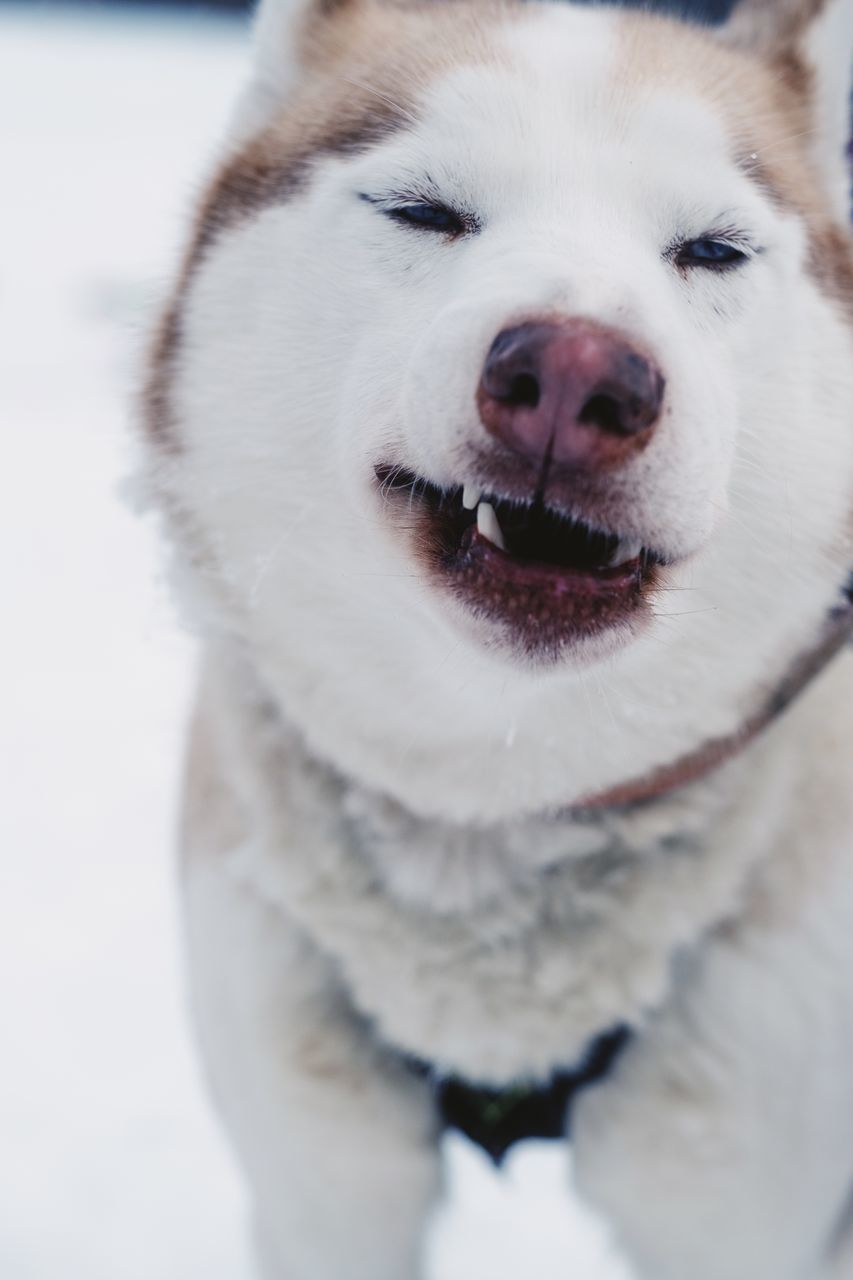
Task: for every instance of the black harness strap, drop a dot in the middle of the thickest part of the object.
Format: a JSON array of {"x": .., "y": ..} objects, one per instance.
[{"x": 495, "y": 1119}]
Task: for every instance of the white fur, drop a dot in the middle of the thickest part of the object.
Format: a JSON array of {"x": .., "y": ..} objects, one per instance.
[
  {"x": 721, "y": 1149},
  {"x": 830, "y": 54},
  {"x": 410, "y": 324},
  {"x": 369, "y": 867}
]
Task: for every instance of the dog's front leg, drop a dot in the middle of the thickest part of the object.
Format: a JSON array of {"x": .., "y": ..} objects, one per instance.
[
  {"x": 336, "y": 1136},
  {"x": 722, "y": 1147}
]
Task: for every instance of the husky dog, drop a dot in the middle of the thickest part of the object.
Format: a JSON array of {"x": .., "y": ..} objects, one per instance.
[{"x": 502, "y": 418}]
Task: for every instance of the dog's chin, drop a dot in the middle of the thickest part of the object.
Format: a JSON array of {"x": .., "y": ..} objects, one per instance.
[{"x": 524, "y": 578}]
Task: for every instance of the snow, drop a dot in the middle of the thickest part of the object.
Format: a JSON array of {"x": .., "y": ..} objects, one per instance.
[{"x": 112, "y": 1166}]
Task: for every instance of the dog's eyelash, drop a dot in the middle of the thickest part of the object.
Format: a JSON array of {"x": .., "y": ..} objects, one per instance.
[
  {"x": 720, "y": 250},
  {"x": 426, "y": 216},
  {"x": 424, "y": 213}
]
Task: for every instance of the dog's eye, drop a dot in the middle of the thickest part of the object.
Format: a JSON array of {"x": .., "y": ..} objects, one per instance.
[
  {"x": 719, "y": 254},
  {"x": 428, "y": 217}
]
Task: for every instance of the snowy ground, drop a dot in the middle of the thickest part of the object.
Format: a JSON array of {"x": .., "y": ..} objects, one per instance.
[{"x": 111, "y": 1167}]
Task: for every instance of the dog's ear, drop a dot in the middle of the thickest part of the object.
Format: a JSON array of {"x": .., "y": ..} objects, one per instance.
[
  {"x": 281, "y": 28},
  {"x": 282, "y": 31},
  {"x": 810, "y": 45}
]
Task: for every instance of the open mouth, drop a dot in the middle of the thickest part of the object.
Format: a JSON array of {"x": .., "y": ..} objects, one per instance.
[{"x": 550, "y": 577}]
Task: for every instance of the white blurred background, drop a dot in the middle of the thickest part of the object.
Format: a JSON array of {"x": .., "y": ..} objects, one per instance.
[{"x": 111, "y": 1165}]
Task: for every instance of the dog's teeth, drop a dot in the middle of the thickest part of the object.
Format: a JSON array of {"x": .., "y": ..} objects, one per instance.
[
  {"x": 470, "y": 496},
  {"x": 628, "y": 549},
  {"x": 487, "y": 524}
]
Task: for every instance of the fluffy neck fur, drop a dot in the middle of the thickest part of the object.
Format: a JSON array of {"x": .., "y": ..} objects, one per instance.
[{"x": 563, "y": 926}]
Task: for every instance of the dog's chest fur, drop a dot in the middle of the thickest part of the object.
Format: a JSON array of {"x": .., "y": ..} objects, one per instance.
[{"x": 493, "y": 952}]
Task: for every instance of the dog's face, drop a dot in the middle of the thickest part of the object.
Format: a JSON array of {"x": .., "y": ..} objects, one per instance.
[{"x": 507, "y": 401}]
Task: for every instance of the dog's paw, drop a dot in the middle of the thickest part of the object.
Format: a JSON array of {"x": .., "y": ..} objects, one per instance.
[{"x": 523, "y": 1219}]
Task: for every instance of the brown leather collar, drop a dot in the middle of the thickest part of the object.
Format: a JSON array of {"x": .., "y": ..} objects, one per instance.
[{"x": 694, "y": 766}]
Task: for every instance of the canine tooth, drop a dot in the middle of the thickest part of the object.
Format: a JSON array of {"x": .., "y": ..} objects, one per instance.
[
  {"x": 628, "y": 549},
  {"x": 487, "y": 524},
  {"x": 470, "y": 496}
]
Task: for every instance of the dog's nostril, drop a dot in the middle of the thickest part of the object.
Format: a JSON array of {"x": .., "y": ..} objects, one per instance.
[
  {"x": 570, "y": 390},
  {"x": 524, "y": 391},
  {"x": 604, "y": 412}
]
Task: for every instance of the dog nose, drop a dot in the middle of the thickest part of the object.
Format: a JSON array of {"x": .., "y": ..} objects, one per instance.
[{"x": 572, "y": 390}]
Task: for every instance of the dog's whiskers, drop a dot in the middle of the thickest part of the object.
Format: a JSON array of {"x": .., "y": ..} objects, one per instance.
[{"x": 403, "y": 111}]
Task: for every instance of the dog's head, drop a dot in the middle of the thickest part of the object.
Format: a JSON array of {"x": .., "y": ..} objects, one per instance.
[{"x": 505, "y": 406}]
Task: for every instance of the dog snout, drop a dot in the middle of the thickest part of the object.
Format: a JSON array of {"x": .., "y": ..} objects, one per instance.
[{"x": 574, "y": 391}]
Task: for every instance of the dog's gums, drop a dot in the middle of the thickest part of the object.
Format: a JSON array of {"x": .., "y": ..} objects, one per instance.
[{"x": 550, "y": 578}]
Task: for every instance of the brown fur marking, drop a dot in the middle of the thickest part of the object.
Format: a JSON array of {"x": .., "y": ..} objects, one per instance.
[
  {"x": 767, "y": 105},
  {"x": 268, "y": 173},
  {"x": 363, "y": 65},
  {"x": 767, "y": 26},
  {"x": 831, "y": 264},
  {"x": 698, "y": 764},
  {"x": 364, "y": 62}
]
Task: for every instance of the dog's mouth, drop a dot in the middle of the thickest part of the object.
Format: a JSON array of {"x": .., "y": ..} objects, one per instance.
[{"x": 548, "y": 576}]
